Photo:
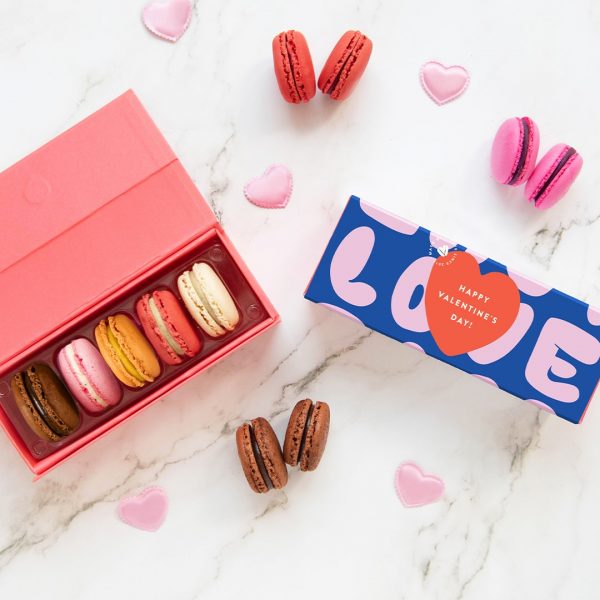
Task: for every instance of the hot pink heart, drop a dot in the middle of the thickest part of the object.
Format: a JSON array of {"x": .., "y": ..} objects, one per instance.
[
  {"x": 416, "y": 488},
  {"x": 443, "y": 84},
  {"x": 147, "y": 510},
  {"x": 169, "y": 19},
  {"x": 272, "y": 189}
]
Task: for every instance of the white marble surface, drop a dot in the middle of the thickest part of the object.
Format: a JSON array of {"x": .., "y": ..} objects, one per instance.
[{"x": 520, "y": 516}]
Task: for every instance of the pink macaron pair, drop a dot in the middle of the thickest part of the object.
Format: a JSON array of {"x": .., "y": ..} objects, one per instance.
[{"x": 514, "y": 156}]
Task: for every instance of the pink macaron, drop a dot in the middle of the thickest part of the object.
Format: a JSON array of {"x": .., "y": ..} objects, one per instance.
[
  {"x": 553, "y": 176},
  {"x": 167, "y": 327},
  {"x": 88, "y": 377},
  {"x": 515, "y": 150}
]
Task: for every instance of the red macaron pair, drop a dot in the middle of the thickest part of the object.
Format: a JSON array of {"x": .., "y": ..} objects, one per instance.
[{"x": 343, "y": 69}]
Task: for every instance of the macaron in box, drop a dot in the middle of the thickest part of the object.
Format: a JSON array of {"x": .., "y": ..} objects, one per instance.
[{"x": 84, "y": 340}]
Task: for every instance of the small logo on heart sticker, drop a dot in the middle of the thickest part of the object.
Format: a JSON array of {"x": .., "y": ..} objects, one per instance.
[
  {"x": 272, "y": 189},
  {"x": 465, "y": 309},
  {"x": 147, "y": 510},
  {"x": 443, "y": 84},
  {"x": 416, "y": 488},
  {"x": 169, "y": 19}
]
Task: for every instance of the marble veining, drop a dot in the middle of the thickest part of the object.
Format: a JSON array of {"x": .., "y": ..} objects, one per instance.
[{"x": 519, "y": 516}]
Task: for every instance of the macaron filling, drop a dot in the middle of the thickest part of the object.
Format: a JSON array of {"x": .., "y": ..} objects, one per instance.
[
  {"x": 129, "y": 367},
  {"x": 76, "y": 368},
  {"x": 292, "y": 57},
  {"x": 524, "y": 122},
  {"x": 568, "y": 154},
  {"x": 37, "y": 404},
  {"x": 162, "y": 327},
  {"x": 348, "y": 59},
  {"x": 306, "y": 429},
  {"x": 259, "y": 460}
]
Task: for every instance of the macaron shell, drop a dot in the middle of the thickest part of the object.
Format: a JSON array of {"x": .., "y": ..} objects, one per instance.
[
  {"x": 506, "y": 150},
  {"x": 99, "y": 376},
  {"x": 135, "y": 346},
  {"x": 29, "y": 413},
  {"x": 532, "y": 153},
  {"x": 560, "y": 184},
  {"x": 345, "y": 65},
  {"x": 222, "y": 306},
  {"x": 243, "y": 439},
  {"x": 196, "y": 307},
  {"x": 283, "y": 70},
  {"x": 293, "y": 67},
  {"x": 316, "y": 437},
  {"x": 112, "y": 358},
  {"x": 302, "y": 65},
  {"x": 270, "y": 450},
  {"x": 295, "y": 432}
]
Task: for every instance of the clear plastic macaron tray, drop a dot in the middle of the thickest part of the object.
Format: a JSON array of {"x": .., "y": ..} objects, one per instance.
[{"x": 251, "y": 313}]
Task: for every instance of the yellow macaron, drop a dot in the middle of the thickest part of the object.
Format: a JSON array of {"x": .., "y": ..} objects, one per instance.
[{"x": 126, "y": 351}]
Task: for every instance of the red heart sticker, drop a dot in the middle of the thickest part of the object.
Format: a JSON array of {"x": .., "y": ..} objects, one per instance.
[{"x": 465, "y": 309}]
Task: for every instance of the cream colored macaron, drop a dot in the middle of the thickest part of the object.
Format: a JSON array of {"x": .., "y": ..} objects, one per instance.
[{"x": 207, "y": 300}]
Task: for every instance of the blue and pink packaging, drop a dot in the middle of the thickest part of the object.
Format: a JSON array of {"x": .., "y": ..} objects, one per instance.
[{"x": 401, "y": 280}]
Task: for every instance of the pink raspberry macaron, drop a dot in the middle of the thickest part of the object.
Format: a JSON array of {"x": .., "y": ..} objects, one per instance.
[
  {"x": 345, "y": 65},
  {"x": 88, "y": 377},
  {"x": 167, "y": 327},
  {"x": 293, "y": 67},
  {"x": 553, "y": 176},
  {"x": 515, "y": 150}
]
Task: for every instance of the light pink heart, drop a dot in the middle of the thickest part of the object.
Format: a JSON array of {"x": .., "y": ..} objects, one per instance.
[
  {"x": 416, "y": 488},
  {"x": 442, "y": 83},
  {"x": 272, "y": 189},
  {"x": 147, "y": 510},
  {"x": 169, "y": 19}
]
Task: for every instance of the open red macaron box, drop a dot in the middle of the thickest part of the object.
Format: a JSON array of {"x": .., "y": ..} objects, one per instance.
[{"x": 93, "y": 220}]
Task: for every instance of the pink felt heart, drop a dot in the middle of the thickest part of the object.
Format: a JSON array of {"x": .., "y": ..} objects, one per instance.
[
  {"x": 147, "y": 510},
  {"x": 443, "y": 84},
  {"x": 416, "y": 488},
  {"x": 169, "y": 19},
  {"x": 272, "y": 189}
]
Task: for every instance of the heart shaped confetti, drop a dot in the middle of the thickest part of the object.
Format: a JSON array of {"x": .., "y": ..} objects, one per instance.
[
  {"x": 416, "y": 488},
  {"x": 168, "y": 20},
  {"x": 443, "y": 84},
  {"x": 272, "y": 189},
  {"x": 465, "y": 309},
  {"x": 146, "y": 510}
]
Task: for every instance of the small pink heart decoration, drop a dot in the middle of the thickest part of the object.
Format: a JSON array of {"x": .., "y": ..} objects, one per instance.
[
  {"x": 443, "y": 84},
  {"x": 416, "y": 488},
  {"x": 272, "y": 189},
  {"x": 169, "y": 19},
  {"x": 147, "y": 510}
]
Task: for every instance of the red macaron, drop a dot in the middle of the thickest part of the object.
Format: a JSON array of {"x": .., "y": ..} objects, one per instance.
[
  {"x": 345, "y": 65},
  {"x": 167, "y": 327},
  {"x": 293, "y": 67}
]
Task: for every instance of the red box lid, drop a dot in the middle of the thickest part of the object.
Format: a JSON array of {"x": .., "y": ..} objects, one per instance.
[{"x": 85, "y": 213}]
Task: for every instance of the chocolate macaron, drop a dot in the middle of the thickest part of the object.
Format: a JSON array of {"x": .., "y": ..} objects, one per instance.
[
  {"x": 260, "y": 456},
  {"x": 45, "y": 403},
  {"x": 306, "y": 435}
]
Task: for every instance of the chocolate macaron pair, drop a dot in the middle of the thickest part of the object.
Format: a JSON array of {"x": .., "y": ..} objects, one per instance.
[{"x": 261, "y": 456}]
